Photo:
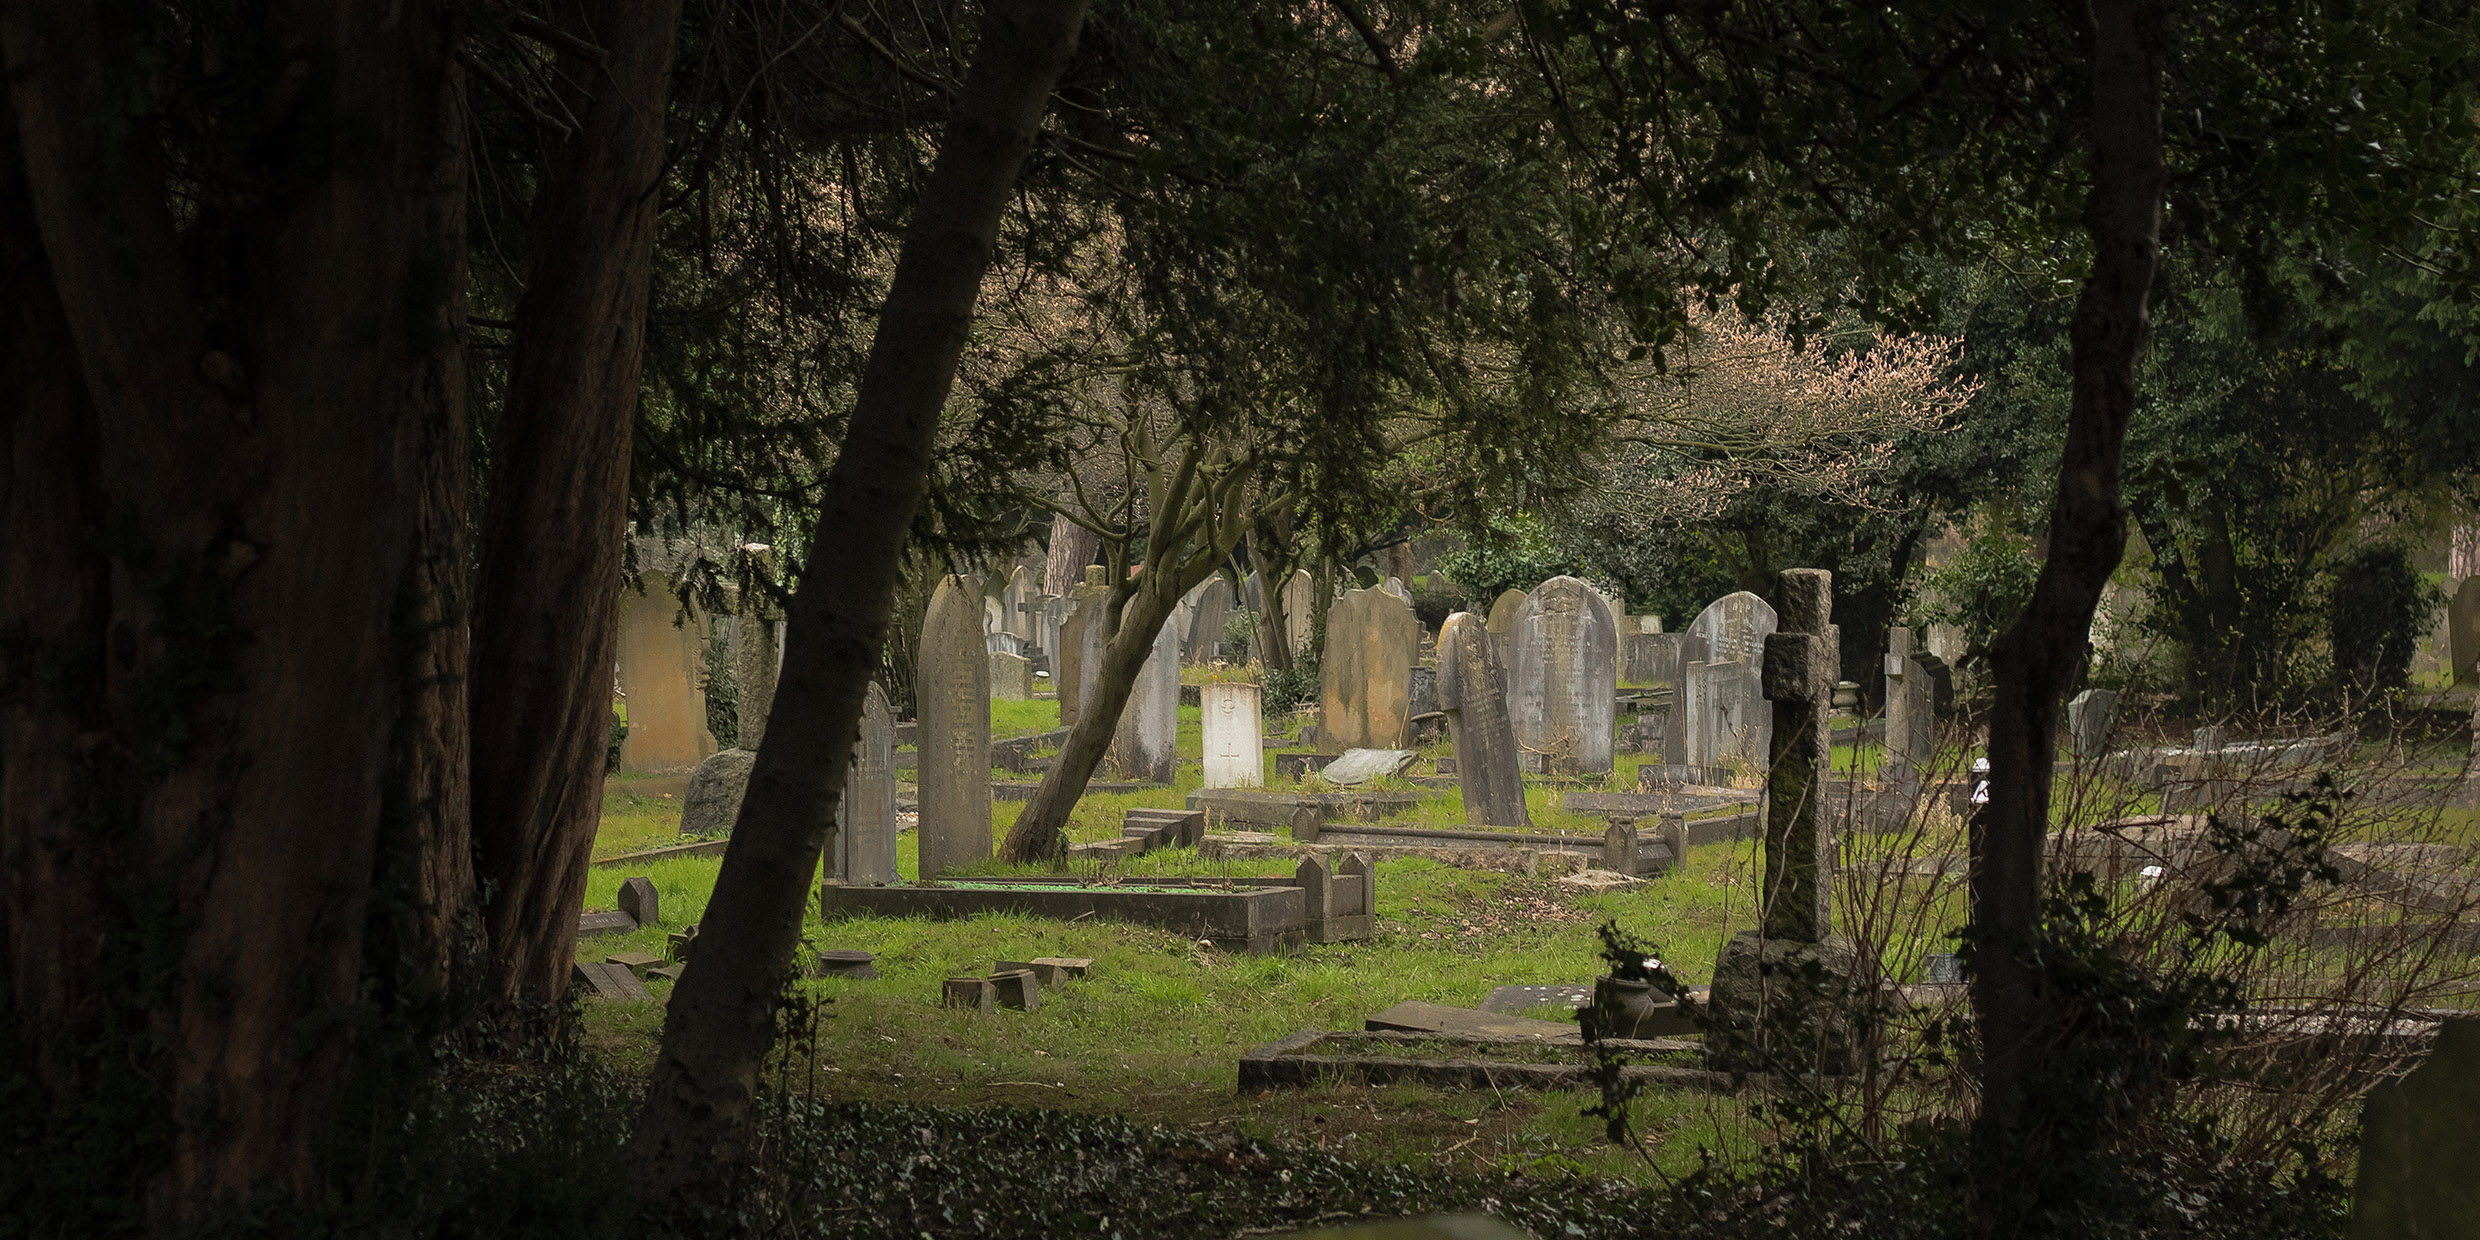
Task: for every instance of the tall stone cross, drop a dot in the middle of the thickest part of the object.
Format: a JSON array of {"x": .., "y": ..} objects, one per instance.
[{"x": 1799, "y": 681}]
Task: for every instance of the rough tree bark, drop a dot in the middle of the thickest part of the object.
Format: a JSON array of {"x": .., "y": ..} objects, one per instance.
[
  {"x": 547, "y": 600},
  {"x": 721, "y": 1018},
  {"x": 214, "y": 465},
  {"x": 2032, "y": 662},
  {"x": 1196, "y": 508},
  {"x": 1072, "y": 548}
]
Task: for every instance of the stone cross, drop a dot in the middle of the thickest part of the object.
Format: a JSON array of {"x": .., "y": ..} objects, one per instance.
[
  {"x": 1472, "y": 690},
  {"x": 1233, "y": 730},
  {"x": 1799, "y": 680},
  {"x": 952, "y": 691}
]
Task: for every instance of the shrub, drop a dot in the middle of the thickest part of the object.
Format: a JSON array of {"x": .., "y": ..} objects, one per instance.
[{"x": 2379, "y": 607}]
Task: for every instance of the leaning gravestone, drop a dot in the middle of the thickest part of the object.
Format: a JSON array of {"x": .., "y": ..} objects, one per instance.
[
  {"x": 2419, "y": 1160},
  {"x": 865, "y": 837},
  {"x": 661, "y": 666},
  {"x": 952, "y": 692},
  {"x": 1366, "y": 699},
  {"x": 1563, "y": 685},
  {"x": 2089, "y": 719},
  {"x": 1502, "y": 624},
  {"x": 1145, "y": 744},
  {"x": 1209, "y": 615},
  {"x": 2463, "y": 631},
  {"x": 1011, "y": 676},
  {"x": 712, "y": 802},
  {"x": 1234, "y": 735},
  {"x": 1472, "y": 690}
]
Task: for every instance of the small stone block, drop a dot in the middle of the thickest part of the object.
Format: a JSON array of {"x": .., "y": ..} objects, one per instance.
[
  {"x": 1148, "y": 837},
  {"x": 678, "y": 942},
  {"x": 1067, "y": 966},
  {"x": 1017, "y": 988},
  {"x": 669, "y": 972},
  {"x": 635, "y": 962},
  {"x": 605, "y": 923},
  {"x": 610, "y": 981},
  {"x": 638, "y": 900},
  {"x": 852, "y": 964},
  {"x": 975, "y": 993}
]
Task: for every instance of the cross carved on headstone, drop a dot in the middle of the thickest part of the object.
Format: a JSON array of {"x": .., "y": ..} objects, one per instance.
[{"x": 1799, "y": 681}]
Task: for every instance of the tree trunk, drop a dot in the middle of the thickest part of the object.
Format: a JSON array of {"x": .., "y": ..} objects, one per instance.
[
  {"x": 1039, "y": 833},
  {"x": 2032, "y": 663},
  {"x": 548, "y": 598},
  {"x": 1072, "y": 548},
  {"x": 214, "y": 465},
  {"x": 721, "y": 1018}
]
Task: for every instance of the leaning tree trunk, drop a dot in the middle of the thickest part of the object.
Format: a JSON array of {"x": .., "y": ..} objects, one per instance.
[
  {"x": 1040, "y": 832},
  {"x": 2032, "y": 662},
  {"x": 547, "y": 606},
  {"x": 721, "y": 1018},
  {"x": 1072, "y": 548},
  {"x": 213, "y": 436}
]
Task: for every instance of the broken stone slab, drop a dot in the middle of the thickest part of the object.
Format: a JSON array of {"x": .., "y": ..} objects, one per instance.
[
  {"x": 1598, "y": 880},
  {"x": 637, "y": 963},
  {"x": 678, "y": 942},
  {"x": 973, "y": 993},
  {"x": 1415, "y": 1016},
  {"x": 638, "y": 900},
  {"x": 1517, "y": 1000},
  {"x": 1359, "y": 766},
  {"x": 1017, "y": 988},
  {"x": 605, "y": 923},
  {"x": 669, "y": 972},
  {"x": 1107, "y": 850},
  {"x": 1050, "y": 971},
  {"x": 858, "y": 965},
  {"x": 610, "y": 981}
]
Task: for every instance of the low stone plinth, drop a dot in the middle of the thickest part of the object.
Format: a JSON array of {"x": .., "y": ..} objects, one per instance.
[
  {"x": 1316, "y": 1057},
  {"x": 1253, "y": 919},
  {"x": 1783, "y": 1006},
  {"x": 1254, "y": 808}
]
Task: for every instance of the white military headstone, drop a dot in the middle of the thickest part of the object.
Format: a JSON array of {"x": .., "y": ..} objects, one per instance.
[{"x": 1234, "y": 732}]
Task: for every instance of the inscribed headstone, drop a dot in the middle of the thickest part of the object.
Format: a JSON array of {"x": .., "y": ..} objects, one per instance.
[
  {"x": 1675, "y": 724},
  {"x": 1234, "y": 735},
  {"x": 1371, "y": 637},
  {"x": 1723, "y": 715},
  {"x": 1564, "y": 681},
  {"x": 2089, "y": 718},
  {"x": 951, "y": 690},
  {"x": 1145, "y": 743},
  {"x": 1019, "y": 604},
  {"x": 1011, "y": 676},
  {"x": 1472, "y": 689},
  {"x": 1209, "y": 615},
  {"x": 1649, "y": 657},
  {"x": 1734, "y": 627},
  {"x": 660, "y": 679},
  {"x": 865, "y": 839}
]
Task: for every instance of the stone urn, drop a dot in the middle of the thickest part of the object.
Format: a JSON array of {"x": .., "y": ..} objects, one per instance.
[{"x": 1642, "y": 1010}]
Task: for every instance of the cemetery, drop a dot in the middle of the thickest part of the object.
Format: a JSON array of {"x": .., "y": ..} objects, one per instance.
[{"x": 1356, "y": 621}]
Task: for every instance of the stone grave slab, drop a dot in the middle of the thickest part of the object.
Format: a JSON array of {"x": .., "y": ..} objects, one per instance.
[
  {"x": 971, "y": 993},
  {"x": 852, "y": 964},
  {"x": 1517, "y": 1000},
  {"x": 637, "y": 963},
  {"x": 1415, "y": 1016},
  {"x": 1051, "y": 971},
  {"x": 1359, "y": 766},
  {"x": 1017, "y": 988},
  {"x": 610, "y": 981},
  {"x": 605, "y": 923}
]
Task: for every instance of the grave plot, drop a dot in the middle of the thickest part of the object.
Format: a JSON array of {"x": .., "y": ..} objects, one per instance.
[
  {"x": 1313, "y": 1058},
  {"x": 1252, "y": 915}
]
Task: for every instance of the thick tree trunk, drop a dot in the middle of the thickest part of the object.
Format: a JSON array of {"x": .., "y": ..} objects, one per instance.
[
  {"x": 548, "y": 598},
  {"x": 2033, "y": 662},
  {"x": 1072, "y": 548},
  {"x": 721, "y": 1018},
  {"x": 214, "y": 469}
]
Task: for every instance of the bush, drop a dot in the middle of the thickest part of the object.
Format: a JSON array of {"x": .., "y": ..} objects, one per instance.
[
  {"x": 1289, "y": 688},
  {"x": 2379, "y": 607}
]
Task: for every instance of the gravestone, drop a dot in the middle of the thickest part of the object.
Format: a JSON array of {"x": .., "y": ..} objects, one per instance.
[
  {"x": 2463, "y": 631},
  {"x": 1082, "y": 637},
  {"x": 1011, "y": 676},
  {"x": 1734, "y": 627},
  {"x": 1396, "y": 587},
  {"x": 2090, "y": 717},
  {"x": 661, "y": 679},
  {"x": 2419, "y": 1161},
  {"x": 757, "y": 656},
  {"x": 1234, "y": 734},
  {"x": 1209, "y": 616},
  {"x": 1675, "y": 723},
  {"x": 1789, "y": 996},
  {"x": 1723, "y": 715},
  {"x": 952, "y": 694},
  {"x": 1563, "y": 684},
  {"x": 1502, "y": 624},
  {"x": 865, "y": 839},
  {"x": 712, "y": 802},
  {"x": 1052, "y": 618},
  {"x": 1649, "y": 658},
  {"x": 1017, "y": 606},
  {"x": 1366, "y": 696},
  {"x": 1911, "y": 711},
  {"x": 1472, "y": 689},
  {"x": 1145, "y": 743},
  {"x": 1359, "y": 766},
  {"x": 638, "y": 900}
]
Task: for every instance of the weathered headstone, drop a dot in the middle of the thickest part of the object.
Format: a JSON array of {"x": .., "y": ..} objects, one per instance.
[
  {"x": 1563, "y": 684},
  {"x": 1298, "y": 604},
  {"x": 1145, "y": 744},
  {"x": 1052, "y": 617},
  {"x": 1209, "y": 615},
  {"x": 1911, "y": 711},
  {"x": 639, "y": 900},
  {"x": 712, "y": 802},
  {"x": 952, "y": 693},
  {"x": 1018, "y": 605},
  {"x": 1082, "y": 637},
  {"x": 757, "y": 655},
  {"x": 1234, "y": 733},
  {"x": 1011, "y": 676},
  {"x": 1502, "y": 624},
  {"x": 1396, "y": 587},
  {"x": 1649, "y": 658},
  {"x": 2090, "y": 717},
  {"x": 1371, "y": 637},
  {"x": 1734, "y": 627},
  {"x": 2463, "y": 631},
  {"x": 1675, "y": 724},
  {"x": 2419, "y": 1161},
  {"x": 865, "y": 837},
  {"x": 660, "y": 679},
  {"x": 1723, "y": 715},
  {"x": 1472, "y": 689}
]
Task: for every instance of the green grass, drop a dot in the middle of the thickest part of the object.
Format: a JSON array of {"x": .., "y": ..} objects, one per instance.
[{"x": 1009, "y": 717}]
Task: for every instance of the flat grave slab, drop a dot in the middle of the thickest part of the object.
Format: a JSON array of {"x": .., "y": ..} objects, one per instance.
[
  {"x": 1261, "y": 920},
  {"x": 1359, "y": 766},
  {"x": 1252, "y": 807},
  {"x": 1687, "y": 799},
  {"x": 1455, "y": 1061},
  {"x": 610, "y": 981},
  {"x": 605, "y": 923},
  {"x": 1516, "y": 1000},
  {"x": 1415, "y": 1016}
]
